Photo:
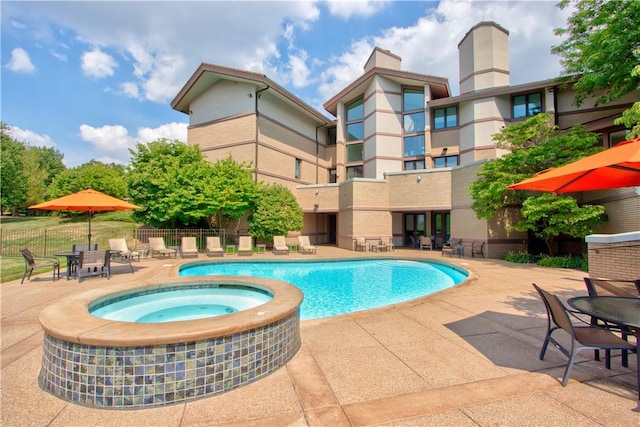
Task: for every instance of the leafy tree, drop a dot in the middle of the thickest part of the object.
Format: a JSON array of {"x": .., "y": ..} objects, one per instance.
[
  {"x": 631, "y": 117},
  {"x": 13, "y": 182},
  {"x": 234, "y": 189},
  {"x": 550, "y": 216},
  {"x": 107, "y": 178},
  {"x": 599, "y": 50},
  {"x": 536, "y": 146},
  {"x": 41, "y": 165},
  {"x": 277, "y": 212}
]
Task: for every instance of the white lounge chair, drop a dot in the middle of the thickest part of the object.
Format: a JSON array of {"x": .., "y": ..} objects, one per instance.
[
  {"x": 305, "y": 246},
  {"x": 280, "y": 245},
  {"x": 120, "y": 244},
  {"x": 213, "y": 246},
  {"x": 245, "y": 246},
  {"x": 158, "y": 247},
  {"x": 189, "y": 247}
]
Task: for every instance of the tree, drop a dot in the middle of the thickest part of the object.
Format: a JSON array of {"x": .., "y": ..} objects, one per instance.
[
  {"x": 234, "y": 189},
  {"x": 631, "y": 117},
  {"x": 13, "y": 182},
  {"x": 599, "y": 50},
  {"x": 42, "y": 165},
  {"x": 107, "y": 178},
  {"x": 536, "y": 146},
  {"x": 277, "y": 212}
]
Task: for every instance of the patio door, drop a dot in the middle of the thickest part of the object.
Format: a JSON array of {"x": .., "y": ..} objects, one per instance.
[
  {"x": 414, "y": 225},
  {"x": 440, "y": 227}
]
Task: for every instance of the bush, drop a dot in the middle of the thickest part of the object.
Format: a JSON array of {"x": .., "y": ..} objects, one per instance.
[
  {"x": 576, "y": 262},
  {"x": 520, "y": 258}
]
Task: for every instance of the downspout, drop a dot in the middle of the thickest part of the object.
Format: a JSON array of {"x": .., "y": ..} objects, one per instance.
[
  {"x": 257, "y": 96},
  {"x": 317, "y": 151}
]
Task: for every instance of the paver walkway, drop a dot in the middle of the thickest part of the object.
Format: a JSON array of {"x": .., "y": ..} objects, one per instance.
[{"x": 465, "y": 356}]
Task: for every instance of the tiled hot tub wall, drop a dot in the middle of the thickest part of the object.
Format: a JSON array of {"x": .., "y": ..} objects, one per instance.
[{"x": 148, "y": 376}]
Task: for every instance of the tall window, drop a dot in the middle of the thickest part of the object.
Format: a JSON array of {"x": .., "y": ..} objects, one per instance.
[
  {"x": 413, "y": 122},
  {"x": 445, "y": 117},
  {"x": 333, "y": 176},
  {"x": 297, "y": 168},
  {"x": 355, "y": 123},
  {"x": 354, "y": 172},
  {"x": 445, "y": 162},
  {"x": 527, "y": 105},
  {"x": 331, "y": 135}
]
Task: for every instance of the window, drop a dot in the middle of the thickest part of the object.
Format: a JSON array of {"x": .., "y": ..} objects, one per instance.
[
  {"x": 354, "y": 172},
  {"x": 412, "y": 99},
  {"x": 414, "y": 145},
  {"x": 354, "y": 153},
  {"x": 527, "y": 105},
  {"x": 445, "y": 117},
  {"x": 355, "y": 111},
  {"x": 355, "y": 123},
  {"x": 355, "y": 131},
  {"x": 331, "y": 136},
  {"x": 333, "y": 176},
  {"x": 297, "y": 172},
  {"x": 445, "y": 162},
  {"x": 414, "y": 122},
  {"x": 617, "y": 137},
  {"x": 413, "y": 165}
]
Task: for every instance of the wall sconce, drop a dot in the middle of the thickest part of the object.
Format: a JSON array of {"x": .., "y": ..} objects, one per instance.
[
  {"x": 419, "y": 178},
  {"x": 317, "y": 191},
  {"x": 338, "y": 174},
  {"x": 444, "y": 150},
  {"x": 250, "y": 95}
]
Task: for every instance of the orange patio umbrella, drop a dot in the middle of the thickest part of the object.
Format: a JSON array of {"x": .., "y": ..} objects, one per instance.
[
  {"x": 616, "y": 167},
  {"x": 86, "y": 200}
]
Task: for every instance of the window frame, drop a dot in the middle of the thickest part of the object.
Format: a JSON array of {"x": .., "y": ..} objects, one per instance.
[
  {"x": 446, "y": 158},
  {"x": 526, "y": 104},
  {"x": 445, "y": 118}
]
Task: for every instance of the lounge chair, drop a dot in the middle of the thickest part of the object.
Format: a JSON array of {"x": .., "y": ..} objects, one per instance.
[
  {"x": 158, "y": 247},
  {"x": 245, "y": 246},
  {"x": 280, "y": 245},
  {"x": 426, "y": 243},
  {"x": 452, "y": 250},
  {"x": 582, "y": 337},
  {"x": 120, "y": 245},
  {"x": 305, "y": 246},
  {"x": 189, "y": 247},
  {"x": 93, "y": 263},
  {"x": 361, "y": 244},
  {"x": 477, "y": 249},
  {"x": 32, "y": 262},
  {"x": 213, "y": 246},
  {"x": 618, "y": 288}
]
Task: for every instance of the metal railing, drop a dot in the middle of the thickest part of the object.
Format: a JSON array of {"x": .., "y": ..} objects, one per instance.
[{"x": 44, "y": 242}]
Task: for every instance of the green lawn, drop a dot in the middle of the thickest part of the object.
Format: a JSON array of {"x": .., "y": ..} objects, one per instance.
[{"x": 112, "y": 223}]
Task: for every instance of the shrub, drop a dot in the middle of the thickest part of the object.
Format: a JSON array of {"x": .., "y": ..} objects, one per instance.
[
  {"x": 521, "y": 258},
  {"x": 576, "y": 262}
]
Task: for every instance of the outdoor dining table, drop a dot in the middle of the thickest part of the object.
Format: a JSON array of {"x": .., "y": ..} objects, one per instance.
[
  {"x": 74, "y": 257},
  {"x": 618, "y": 310}
]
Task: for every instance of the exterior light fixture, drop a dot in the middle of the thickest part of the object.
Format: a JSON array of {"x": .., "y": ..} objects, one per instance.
[{"x": 419, "y": 178}]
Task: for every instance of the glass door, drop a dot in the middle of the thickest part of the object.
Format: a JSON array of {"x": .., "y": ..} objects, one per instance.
[
  {"x": 414, "y": 227},
  {"x": 441, "y": 227}
]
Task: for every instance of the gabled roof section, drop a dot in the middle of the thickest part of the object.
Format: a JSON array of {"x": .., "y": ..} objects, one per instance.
[
  {"x": 208, "y": 75},
  {"x": 439, "y": 85}
]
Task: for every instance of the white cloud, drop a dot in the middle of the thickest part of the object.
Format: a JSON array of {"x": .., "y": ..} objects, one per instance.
[
  {"x": 113, "y": 142},
  {"x": 346, "y": 9},
  {"x": 98, "y": 64},
  {"x": 299, "y": 71},
  {"x": 32, "y": 138},
  {"x": 20, "y": 61},
  {"x": 130, "y": 89}
]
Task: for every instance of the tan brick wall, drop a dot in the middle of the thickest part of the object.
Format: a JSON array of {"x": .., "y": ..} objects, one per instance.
[{"x": 614, "y": 260}]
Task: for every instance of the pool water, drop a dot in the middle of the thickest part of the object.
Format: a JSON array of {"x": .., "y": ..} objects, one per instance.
[{"x": 337, "y": 287}]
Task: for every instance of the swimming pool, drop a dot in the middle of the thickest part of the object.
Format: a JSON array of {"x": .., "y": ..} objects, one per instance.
[{"x": 333, "y": 287}]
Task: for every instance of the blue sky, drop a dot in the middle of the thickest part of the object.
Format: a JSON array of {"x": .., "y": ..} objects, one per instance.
[{"x": 92, "y": 79}]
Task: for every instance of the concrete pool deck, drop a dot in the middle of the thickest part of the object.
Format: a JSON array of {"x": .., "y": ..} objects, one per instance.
[{"x": 465, "y": 356}]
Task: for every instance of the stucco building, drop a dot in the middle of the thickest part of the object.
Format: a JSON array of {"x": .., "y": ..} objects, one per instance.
[{"x": 400, "y": 151}]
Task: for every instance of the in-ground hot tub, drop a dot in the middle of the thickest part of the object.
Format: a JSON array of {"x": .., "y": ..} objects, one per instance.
[{"x": 118, "y": 365}]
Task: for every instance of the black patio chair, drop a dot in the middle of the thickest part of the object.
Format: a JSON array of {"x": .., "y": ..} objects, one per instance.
[{"x": 32, "y": 262}]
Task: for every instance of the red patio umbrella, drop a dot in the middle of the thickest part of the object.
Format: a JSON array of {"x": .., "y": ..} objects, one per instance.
[
  {"x": 86, "y": 200},
  {"x": 616, "y": 167}
]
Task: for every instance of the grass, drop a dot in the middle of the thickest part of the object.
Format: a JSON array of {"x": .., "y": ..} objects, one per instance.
[{"x": 107, "y": 224}]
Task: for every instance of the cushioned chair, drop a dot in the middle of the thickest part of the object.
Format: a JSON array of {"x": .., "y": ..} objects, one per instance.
[
  {"x": 189, "y": 247},
  {"x": 455, "y": 249},
  {"x": 213, "y": 246},
  {"x": 305, "y": 246},
  {"x": 120, "y": 244},
  {"x": 582, "y": 337},
  {"x": 31, "y": 262},
  {"x": 245, "y": 246},
  {"x": 361, "y": 244},
  {"x": 93, "y": 263},
  {"x": 280, "y": 245},
  {"x": 158, "y": 247},
  {"x": 426, "y": 243}
]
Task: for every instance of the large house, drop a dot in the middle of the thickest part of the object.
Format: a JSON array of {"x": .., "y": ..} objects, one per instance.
[{"x": 397, "y": 159}]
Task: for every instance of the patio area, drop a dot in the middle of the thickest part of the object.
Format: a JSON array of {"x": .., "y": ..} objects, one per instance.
[{"x": 465, "y": 356}]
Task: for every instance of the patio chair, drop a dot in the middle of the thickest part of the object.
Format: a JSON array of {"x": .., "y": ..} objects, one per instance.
[
  {"x": 414, "y": 241},
  {"x": 32, "y": 262},
  {"x": 582, "y": 337},
  {"x": 426, "y": 243},
  {"x": 305, "y": 246},
  {"x": 119, "y": 257},
  {"x": 388, "y": 245},
  {"x": 213, "y": 246},
  {"x": 93, "y": 263},
  {"x": 361, "y": 244},
  {"x": 280, "y": 245},
  {"x": 189, "y": 247},
  {"x": 477, "y": 248},
  {"x": 245, "y": 246},
  {"x": 618, "y": 288},
  {"x": 158, "y": 247},
  {"x": 120, "y": 244},
  {"x": 452, "y": 250}
]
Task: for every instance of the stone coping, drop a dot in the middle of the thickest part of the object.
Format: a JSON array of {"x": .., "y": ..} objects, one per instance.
[
  {"x": 613, "y": 238},
  {"x": 69, "y": 319}
]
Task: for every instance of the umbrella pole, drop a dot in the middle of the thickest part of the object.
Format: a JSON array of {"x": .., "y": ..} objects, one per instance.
[{"x": 89, "y": 229}]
